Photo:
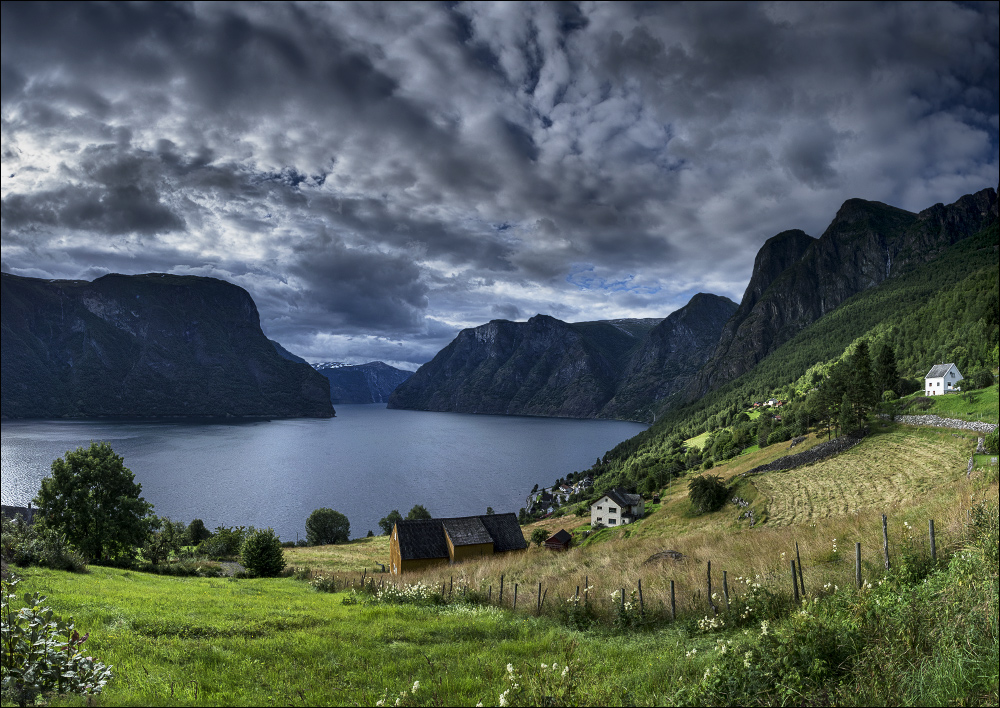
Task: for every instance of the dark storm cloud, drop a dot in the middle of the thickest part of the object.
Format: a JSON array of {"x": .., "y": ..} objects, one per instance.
[{"x": 379, "y": 175}]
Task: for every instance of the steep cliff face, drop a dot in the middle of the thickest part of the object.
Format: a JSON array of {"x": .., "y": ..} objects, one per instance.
[
  {"x": 373, "y": 382},
  {"x": 672, "y": 354},
  {"x": 797, "y": 279},
  {"x": 609, "y": 369},
  {"x": 144, "y": 346},
  {"x": 541, "y": 367}
]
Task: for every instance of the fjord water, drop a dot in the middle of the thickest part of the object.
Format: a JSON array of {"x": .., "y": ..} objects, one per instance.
[{"x": 364, "y": 463}]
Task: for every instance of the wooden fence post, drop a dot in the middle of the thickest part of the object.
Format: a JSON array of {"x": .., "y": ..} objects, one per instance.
[
  {"x": 451, "y": 586},
  {"x": 642, "y": 605},
  {"x": 885, "y": 540},
  {"x": 539, "y": 598},
  {"x": 795, "y": 584},
  {"x": 500, "y": 600},
  {"x": 515, "y": 597},
  {"x": 725, "y": 588},
  {"x": 673, "y": 603},
  {"x": 857, "y": 564},
  {"x": 798, "y": 562},
  {"x": 930, "y": 527},
  {"x": 489, "y": 597},
  {"x": 586, "y": 590}
]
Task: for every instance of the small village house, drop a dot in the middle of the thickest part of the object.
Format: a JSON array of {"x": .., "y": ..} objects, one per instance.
[
  {"x": 942, "y": 378},
  {"x": 421, "y": 543},
  {"x": 616, "y": 507},
  {"x": 559, "y": 541}
]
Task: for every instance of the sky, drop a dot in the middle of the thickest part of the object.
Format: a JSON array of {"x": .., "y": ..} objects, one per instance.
[{"x": 380, "y": 176}]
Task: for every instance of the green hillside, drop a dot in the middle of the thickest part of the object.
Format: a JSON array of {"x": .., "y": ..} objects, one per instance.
[{"x": 945, "y": 310}]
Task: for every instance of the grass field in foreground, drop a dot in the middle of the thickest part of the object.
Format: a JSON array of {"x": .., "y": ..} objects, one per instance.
[{"x": 193, "y": 641}]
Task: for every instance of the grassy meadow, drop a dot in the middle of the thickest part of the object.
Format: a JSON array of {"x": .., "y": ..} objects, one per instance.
[{"x": 926, "y": 633}]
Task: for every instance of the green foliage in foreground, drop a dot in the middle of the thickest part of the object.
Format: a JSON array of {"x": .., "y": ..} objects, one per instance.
[
  {"x": 41, "y": 653},
  {"x": 926, "y": 634}
]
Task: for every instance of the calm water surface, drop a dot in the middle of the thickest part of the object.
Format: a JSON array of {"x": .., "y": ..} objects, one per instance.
[{"x": 364, "y": 463}]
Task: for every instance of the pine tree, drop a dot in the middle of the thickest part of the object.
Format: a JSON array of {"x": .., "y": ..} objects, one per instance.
[{"x": 886, "y": 372}]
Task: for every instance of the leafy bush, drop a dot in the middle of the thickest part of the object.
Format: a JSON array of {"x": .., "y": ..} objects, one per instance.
[
  {"x": 28, "y": 544},
  {"x": 707, "y": 493},
  {"x": 325, "y": 526},
  {"x": 779, "y": 435},
  {"x": 991, "y": 443},
  {"x": 262, "y": 554},
  {"x": 539, "y": 536},
  {"x": 225, "y": 542},
  {"x": 41, "y": 652}
]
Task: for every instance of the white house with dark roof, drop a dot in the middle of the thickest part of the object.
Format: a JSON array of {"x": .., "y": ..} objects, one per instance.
[
  {"x": 616, "y": 507},
  {"x": 942, "y": 378}
]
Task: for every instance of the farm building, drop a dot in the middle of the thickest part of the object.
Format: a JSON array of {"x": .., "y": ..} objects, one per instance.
[
  {"x": 942, "y": 378},
  {"x": 616, "y": 507},
  {"x": 559, "y": 541},
  {"x": 421, "y": 543}
]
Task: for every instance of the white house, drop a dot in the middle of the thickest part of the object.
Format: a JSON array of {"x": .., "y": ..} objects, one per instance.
[
  {"x": 616, "y": 507},
  {"x": 942, "y": 378}
]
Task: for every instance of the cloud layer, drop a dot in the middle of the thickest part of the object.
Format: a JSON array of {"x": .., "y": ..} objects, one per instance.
[{"x": 380, "y": 175}]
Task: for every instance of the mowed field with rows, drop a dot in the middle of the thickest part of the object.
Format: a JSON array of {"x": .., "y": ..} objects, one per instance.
[{"x": 887, "y": 470}]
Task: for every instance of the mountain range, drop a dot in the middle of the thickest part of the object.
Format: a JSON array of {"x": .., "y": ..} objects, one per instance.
[
  {"x": 635, "y": 369},
  {"x": 149, "y": 345},
  {"x": 547, "y": 367}
]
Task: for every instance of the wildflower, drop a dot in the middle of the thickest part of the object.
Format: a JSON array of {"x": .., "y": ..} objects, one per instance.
[
  {"x": 510, "y": 670},
  {"x": 565, "y": 670},
  {"x": 479, "y": 705},
  {"x": 545, "y": 666},
  {"x": 416, "y": 685},
  {"x": 503, "y": 698},
  {"x": 763, "y": 628},
  {"x": 692, "y": 653}
]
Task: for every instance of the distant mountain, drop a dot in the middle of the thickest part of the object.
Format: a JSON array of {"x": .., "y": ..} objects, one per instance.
[
  {"x": 797, "y": 279},
  {"x": 373, "y": 382},
  {"x": 547, "y": 367},
  {"x": 145, "y": 346}
]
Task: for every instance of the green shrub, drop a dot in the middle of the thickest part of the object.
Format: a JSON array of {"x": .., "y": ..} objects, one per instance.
[
  {"x": 224, "y": 543},
  {"x": 41, "y": 652},
  {"x": 779, "y": 435},
  {"x": 707, "y": 493},
  {"x": 991, "y": 443},
  {"x": 539, "y": 536},
  {"x": 262, "y": 554},
  {"x": 29, "y": 544}
]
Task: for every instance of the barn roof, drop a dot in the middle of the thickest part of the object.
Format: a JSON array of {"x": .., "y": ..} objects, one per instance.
[
  {"x": 425, "y": 538},
  {"x": 560, "y": 536},
  {"x": 421, "y": 538},
  {"x": 505, "y": 531},
  {"x": 938, "y": 370},
  {"x": 466, "y": 531}
]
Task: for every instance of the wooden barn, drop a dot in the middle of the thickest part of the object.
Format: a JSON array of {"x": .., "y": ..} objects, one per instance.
[
  {"x": 559, "y": 541},
  {"x": 421, "y": 543}
]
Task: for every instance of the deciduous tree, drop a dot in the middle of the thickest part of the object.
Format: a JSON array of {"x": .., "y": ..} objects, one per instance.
[
  {"x": 326, "y": 526},
  {"x": 93, "y": 498}
]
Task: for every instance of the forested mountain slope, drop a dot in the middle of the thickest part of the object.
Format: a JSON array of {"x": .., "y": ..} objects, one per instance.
[{"x": 797, "y": 280}]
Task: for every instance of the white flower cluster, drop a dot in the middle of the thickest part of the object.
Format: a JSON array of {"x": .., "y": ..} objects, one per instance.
[
  {"x": 414, "y": 593},
  {"x": 709, "y": 624}
]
